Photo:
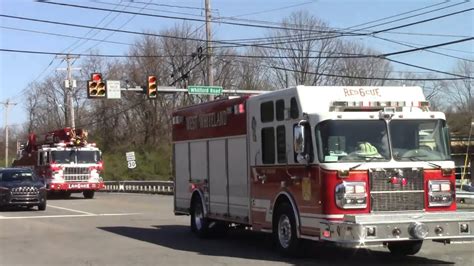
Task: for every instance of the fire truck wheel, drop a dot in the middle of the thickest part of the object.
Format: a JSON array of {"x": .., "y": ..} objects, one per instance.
[
  {"x": 199, "y": 223},
  {"x": 42, "y": 207},
  {"x": 404, "y": 248},
  {"x": 66, "y": 194},
  {"x": 284, "y": 231},
  {"x": 88, "y": 194}
]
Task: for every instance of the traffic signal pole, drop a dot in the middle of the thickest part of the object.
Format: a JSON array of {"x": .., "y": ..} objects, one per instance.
[
  {"x": 69, "y": 91},
  {"x": 210, "y": 76}
]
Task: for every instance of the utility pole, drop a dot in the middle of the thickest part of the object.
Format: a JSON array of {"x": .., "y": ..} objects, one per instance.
[
  {"x": 7, "y": 105},
  {"x": 210, "y": 76},
  {"x": 69, "y": 85}
]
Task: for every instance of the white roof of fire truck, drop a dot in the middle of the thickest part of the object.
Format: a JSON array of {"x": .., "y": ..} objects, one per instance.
[{"x": 315, "y": 99}]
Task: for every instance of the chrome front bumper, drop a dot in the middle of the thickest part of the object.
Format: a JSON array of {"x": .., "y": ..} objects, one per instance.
[{"x": 375, "y": 229}]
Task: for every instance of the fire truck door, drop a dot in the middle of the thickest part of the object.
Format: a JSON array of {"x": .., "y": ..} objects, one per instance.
[
  {"x": 219, "y": 203},
  {"x": 238, "y": 177},
  {"x": 181, "y": 164}
]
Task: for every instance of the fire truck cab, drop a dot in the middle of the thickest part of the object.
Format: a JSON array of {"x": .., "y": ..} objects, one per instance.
[
  {"x": 65, "y": 160},
  {"x": 351, "y": 166}
]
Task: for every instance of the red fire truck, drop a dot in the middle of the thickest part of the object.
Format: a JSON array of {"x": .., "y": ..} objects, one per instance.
[
  {"x": 67, "y": 162},
  {"x": 352, "y": 166}
]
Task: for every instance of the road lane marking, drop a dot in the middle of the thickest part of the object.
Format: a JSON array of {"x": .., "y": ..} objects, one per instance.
[
  {"x": 71, "y": 210},
  {"x": 67, "y": 216}
]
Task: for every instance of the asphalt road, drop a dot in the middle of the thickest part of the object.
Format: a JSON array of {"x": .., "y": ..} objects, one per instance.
[{"x": 134, "y": 229}]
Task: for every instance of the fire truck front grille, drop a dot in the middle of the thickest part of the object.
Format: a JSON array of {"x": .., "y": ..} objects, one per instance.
[
  {"x": 397, "y": 189},
  {"x": 76, "y": 174}
]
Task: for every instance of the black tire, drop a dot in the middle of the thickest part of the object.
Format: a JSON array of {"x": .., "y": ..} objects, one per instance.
[
  {"x": 199, "y": 223},
  {"x": 88, "y": 194},
  {"x": 405, "y": 248},
  {"x": 42, "y": 206},
  {"x": 284, "y": 231},
  {"x": 66, "y": 194}
]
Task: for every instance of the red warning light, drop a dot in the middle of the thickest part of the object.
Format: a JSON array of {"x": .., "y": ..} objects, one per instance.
[{"x": 96, "y": 77}]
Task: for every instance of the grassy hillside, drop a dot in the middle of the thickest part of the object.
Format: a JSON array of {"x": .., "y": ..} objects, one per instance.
[{"x": 151, "y": 165}]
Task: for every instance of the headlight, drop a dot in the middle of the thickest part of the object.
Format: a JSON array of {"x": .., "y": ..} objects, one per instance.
[
  {"x": 351, "y": 195},
  {"x": 440, "y": 193}
]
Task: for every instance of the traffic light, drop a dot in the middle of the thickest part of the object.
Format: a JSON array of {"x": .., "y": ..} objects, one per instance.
[
  {"x": 96, "y": 86},
  {"x": 151, "y": 87}
]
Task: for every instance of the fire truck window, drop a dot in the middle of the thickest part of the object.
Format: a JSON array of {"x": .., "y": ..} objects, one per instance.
[
  {"x": 41, "y": 158},
  {"x": 294, "y": 113},
  {"x": 281, "y": 144},
  {"x": 268, "y": 145},
  {"x": 280, "y": 110},
  {"x": 266, "y": 111}
]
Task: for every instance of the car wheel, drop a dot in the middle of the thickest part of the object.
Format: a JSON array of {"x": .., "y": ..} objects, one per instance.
[
  {"x": 88, "y": 194},
  {"x": 42, "y": 206}
]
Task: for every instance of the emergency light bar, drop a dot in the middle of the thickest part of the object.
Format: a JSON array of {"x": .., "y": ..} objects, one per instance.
[{"x": 341, "y": 106}]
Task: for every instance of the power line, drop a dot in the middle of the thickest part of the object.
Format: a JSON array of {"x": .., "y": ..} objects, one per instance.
[
  {"x": 121, "y": 27},
  {"x": 178, "y": 18},
  {"x": 323, "y": 74},
  {"x": 152, "y": 9},
  {"x": 252, "y": 25},
  {"x": 426, "y": 49},
  {"x": 397, "y": 15},
  {"x": 382, "y": 56},
  {"x": 63, "y": 35},
  {"x": 270, "y": 10},
  {"x": 355, "y": 77},
  {"x": 425, "y": 20},
  {"x": 412, "y": 16},
  {"x": 173, "y": 6},
  {"x": 355, "y": 56}
]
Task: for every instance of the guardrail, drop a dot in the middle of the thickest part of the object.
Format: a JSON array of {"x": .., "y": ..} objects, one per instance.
[
  {"x": 156, "y": 187},
  {"x": 167, "y": 187}
]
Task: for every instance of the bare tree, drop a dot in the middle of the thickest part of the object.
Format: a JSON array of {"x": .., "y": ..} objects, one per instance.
[
  {"x": 299, "y": 56},
  {"x": 460, "y": 92},
  {"x": 363, "y": 71}
]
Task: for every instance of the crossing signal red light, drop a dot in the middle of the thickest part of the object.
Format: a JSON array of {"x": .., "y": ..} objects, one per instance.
[
  {"x": 151, "y": 90},
  {"x": 96, "y": 86}
]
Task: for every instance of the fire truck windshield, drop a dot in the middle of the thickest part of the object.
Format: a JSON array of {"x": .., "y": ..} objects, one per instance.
[
  {"x": 363, "y": 141},
  {"x": 419, "y": 140},
  {"x": 75, "y": 156},
  {"x": 352, "y": 141}
]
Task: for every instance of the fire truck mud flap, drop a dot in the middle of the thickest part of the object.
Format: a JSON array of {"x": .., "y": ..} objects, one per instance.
[{"x": 377, "y": 229}]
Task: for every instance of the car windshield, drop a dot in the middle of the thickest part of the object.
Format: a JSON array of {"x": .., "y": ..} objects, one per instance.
[
  {"x": 352, "y": 141},
  {"x": 75, "y": 156},
  {"x": 17, "y": 176},
  {"x": 419, "y": 140}
]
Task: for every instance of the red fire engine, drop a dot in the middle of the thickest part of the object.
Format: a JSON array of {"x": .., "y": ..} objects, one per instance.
[
  {"x": 353, "y": 166},
  {"x": 67, "y": 162}
]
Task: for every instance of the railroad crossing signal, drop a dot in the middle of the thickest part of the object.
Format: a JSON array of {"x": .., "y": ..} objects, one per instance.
[
  {"x": 151, "y": 87},
  {"x": 96, "y": 86}
]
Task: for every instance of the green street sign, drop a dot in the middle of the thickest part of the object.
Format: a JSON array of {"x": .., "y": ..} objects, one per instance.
[{"x": 211, "y": 90}]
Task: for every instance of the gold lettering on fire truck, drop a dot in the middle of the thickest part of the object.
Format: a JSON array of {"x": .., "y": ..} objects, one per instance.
[
  {"x": 215, "y": 119},
  {"x": 361, "y": 92},
  {"x": 306, "y": 188}
]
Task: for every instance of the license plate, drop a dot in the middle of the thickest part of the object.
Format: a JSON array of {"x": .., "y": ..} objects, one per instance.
[{"x": 78, "y": 185}]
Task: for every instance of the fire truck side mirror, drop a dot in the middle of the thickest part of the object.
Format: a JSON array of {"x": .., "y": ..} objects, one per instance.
[{"x": 299, "y": 137}]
